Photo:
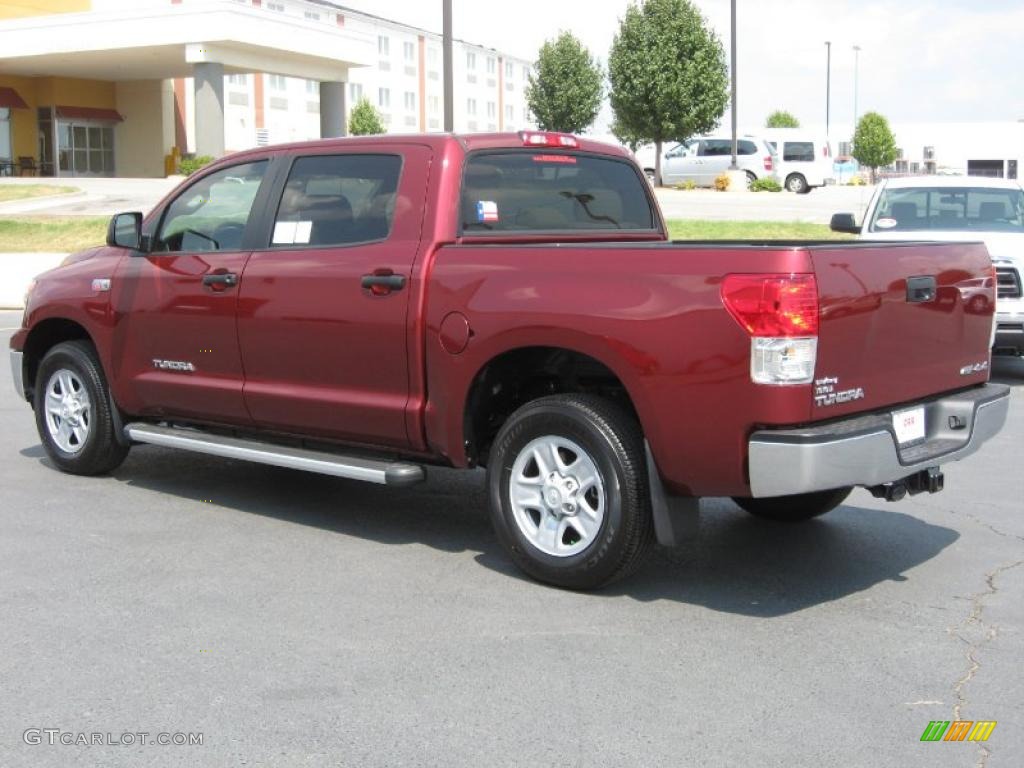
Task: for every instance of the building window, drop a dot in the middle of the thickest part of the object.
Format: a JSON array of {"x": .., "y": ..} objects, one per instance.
[
  {"x": 384, "y": 97},
  {"x": 383, "y": 45},
  {"x": 471, "y": 106},
  {"x": 311, "y": 15},
  {"x": 434, "y": 104},
  {"x": 355, "y": 91},
  {"x": 491, "y": 65},
  {"x": 508, "y": 70},
  {"x": 408, "y": 51},
  {"x": 410, "y": 101},
  {"x": 510, "y": 113},
  {"x": 432, "y": 55},
  {"x": 492, "y": 109},
  {"x": 470, "y": 60},
  {"x": 526, "y": 73},
  {"x": 313, "y": 87},
  {"x": 278, "y": 82},
  {"x": 242, "y": 80},
  {"x": 279, "y": 7}
]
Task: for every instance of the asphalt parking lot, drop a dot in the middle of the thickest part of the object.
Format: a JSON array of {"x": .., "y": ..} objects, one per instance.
[{"x": 295, "y": 619}]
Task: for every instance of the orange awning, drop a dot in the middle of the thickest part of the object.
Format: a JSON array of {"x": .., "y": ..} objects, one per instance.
[
  {"x": 89, "y": 113},
  {"x": 9, "y": 98}
]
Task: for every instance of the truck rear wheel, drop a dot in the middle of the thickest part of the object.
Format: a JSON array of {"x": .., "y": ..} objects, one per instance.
[
  {"x": 568, "y": 491},
  {"x": 72, "y": 408},
  {"x": 795, "y": 508}
]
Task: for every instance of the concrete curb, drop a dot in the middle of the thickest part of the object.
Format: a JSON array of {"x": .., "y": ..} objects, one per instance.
[
  {"x": 30, "y": 204},
  {"x": 16, "y": 272}
]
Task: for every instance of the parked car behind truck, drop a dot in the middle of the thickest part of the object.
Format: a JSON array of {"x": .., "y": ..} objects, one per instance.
[
  {"x": 368, "y": 307},
  {"x": 957, "y": 210}
]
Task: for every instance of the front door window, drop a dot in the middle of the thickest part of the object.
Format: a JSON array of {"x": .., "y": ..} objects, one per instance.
[{"x": 85, "y": 149}]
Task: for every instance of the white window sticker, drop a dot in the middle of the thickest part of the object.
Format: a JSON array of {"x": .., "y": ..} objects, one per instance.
[
  {"x": 886, "y": 223},
  {"x": 292, "y": 232}
]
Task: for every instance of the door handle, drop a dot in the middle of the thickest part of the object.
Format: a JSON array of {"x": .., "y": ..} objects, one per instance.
[
  {"x": 223, "y": 279},
  {"x": 382, "y": 283},
  {"x": 921, "y": 289}
]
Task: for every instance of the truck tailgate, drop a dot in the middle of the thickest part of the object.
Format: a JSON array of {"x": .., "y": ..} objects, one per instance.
[{"x": 898, "y": 322}]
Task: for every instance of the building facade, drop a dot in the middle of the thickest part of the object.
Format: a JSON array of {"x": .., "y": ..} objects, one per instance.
[{"x": 120, "y": 87}]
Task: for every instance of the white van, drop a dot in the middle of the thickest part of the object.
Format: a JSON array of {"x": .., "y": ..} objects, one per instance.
[
  {"x": 805, "y": 162},
  {"x": 700, "y": 160}
]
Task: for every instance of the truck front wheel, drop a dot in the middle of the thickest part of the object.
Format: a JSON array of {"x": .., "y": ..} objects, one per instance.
[
  {"x": 795, "y": 508},
  {"x": 72, "y": 408},
  {"x": 568, "y": 491}
]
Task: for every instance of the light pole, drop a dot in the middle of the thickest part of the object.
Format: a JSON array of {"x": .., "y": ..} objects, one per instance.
[
  {"x": 856, "y": 66},
  {"x": 446, "y": 56},
  {"x": 734, "y": 166},
  {"x": 828, "y": 84}
]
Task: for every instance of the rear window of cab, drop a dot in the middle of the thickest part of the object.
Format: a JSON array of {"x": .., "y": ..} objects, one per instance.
[{"x": 540, "y": 190}]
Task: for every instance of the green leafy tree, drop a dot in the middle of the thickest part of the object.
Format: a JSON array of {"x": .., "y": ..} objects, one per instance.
[
  {"x": 780, "y": 118},
  {"x": 365, "y": 119},
  {"x": 874, "y": 146},
  {"x": 668, "y": 76},
  {"x": 566, "y": 88}
]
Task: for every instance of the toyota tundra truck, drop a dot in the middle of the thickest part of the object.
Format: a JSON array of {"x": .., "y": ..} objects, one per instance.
[{"x": 369, "y": 307}]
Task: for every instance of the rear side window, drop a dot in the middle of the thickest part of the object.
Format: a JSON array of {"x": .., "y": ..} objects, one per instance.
[
  {"x": 552, "y": 191},
  {"x": 798, "y": 151},
  {"x": 337, "y": 200}
]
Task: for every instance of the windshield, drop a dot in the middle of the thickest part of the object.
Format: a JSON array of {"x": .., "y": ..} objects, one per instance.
[
  {"x": 552, "y": 191},
  {"x": 955, "y": 209}
]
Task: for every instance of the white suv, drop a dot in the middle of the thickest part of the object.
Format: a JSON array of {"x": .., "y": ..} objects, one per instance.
[
  {"x": 805, "y": 162},
  {"x": 702, "y": 159}
]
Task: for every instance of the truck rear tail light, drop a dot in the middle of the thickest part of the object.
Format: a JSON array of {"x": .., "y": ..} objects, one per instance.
[
  {"x": 768, "y": 162},
  {"x": 548, "y": 139},
  {"x": 780, "y": 312}
]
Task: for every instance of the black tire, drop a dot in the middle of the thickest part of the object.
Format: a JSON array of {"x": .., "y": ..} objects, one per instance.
[
  {"x": 751, "y": 177},
  {"x": 796, "y": 508},
  {"x": 99, "y": 452},
  {"x": 796, "y": 183},
  {"x": 614, "y": 443}
]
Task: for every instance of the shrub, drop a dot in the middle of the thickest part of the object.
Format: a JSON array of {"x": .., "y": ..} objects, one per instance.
[
  {"x": 722, "y": 182},
  {"x": 189, "y": 165},
  {"x": 687, "y": 185},
  {"x": 767, "y": 184}
]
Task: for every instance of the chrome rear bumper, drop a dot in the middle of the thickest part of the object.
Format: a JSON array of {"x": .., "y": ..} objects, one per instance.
[
  {"x": 862, "y": 450},
  {"x": 18, "y": 372}
]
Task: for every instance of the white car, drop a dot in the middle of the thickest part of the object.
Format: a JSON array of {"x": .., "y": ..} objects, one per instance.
[
  {"x": 702, "y": 159},
  {"x": 962, "y": 209},
  {"x": 804, "y": 161}
]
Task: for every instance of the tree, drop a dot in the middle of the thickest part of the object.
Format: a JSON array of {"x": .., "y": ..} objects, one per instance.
[
  {"x": 365, "y": 119},
  {"x": 668, "y": 76},
  {"x": 874, "y": 145},
  {"x": 566, "y": 90},
  {"x": 780, "y": 118}
]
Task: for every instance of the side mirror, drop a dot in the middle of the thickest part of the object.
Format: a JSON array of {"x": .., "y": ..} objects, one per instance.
[
  {"x": 125, "y": 231},
  {"x": 844, "y": 222}
]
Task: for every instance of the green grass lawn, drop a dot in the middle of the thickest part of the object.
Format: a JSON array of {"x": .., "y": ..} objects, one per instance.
[
  {"x": 701, "y": 229},
  {"x": 10, "y": 192},
  {"x": 51, "y": 233},
  {"x": 73, "y": 233}
]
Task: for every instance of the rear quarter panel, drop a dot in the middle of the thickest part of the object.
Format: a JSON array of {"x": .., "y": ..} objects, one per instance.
[{"x": 651, "y": 313}]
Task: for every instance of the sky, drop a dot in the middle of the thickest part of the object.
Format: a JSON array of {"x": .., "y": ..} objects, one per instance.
[{"x": 920, "y": 60}]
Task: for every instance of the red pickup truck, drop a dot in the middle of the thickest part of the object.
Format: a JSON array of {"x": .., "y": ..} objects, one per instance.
[{"x": 366, "y": 307}]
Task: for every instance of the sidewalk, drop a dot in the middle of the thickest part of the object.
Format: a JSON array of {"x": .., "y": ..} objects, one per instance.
[{"x": 17, "y": 271}]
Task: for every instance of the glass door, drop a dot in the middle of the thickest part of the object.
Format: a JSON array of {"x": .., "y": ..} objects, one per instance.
[{"x": 85, "y": 149}]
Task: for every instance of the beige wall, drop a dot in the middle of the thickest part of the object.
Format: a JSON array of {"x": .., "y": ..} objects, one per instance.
[{"x": 147, "y": 133}]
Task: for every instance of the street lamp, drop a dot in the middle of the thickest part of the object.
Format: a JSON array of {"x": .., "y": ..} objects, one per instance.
[
  {"x": 734, "y": 166},
  {"x": 446, "y": 56},
  {"x": 828, "y": 84},
  {"x": 856, "y": 65}
]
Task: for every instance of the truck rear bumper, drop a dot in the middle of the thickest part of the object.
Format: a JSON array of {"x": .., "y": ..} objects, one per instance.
[
  {"x": 863, "y": 450},
  {"x": 1009, "y": 338},
  {"x": 17, "y": 372}
]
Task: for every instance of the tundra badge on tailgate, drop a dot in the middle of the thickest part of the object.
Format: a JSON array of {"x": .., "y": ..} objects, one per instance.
[{"x": 825, "y": 393}]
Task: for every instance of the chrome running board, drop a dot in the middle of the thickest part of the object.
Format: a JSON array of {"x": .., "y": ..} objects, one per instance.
[{"x": 352, "y": 467}]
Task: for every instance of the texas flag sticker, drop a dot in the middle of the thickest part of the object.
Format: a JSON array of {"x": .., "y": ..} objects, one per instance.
[{"x": 486, "y": 211}]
